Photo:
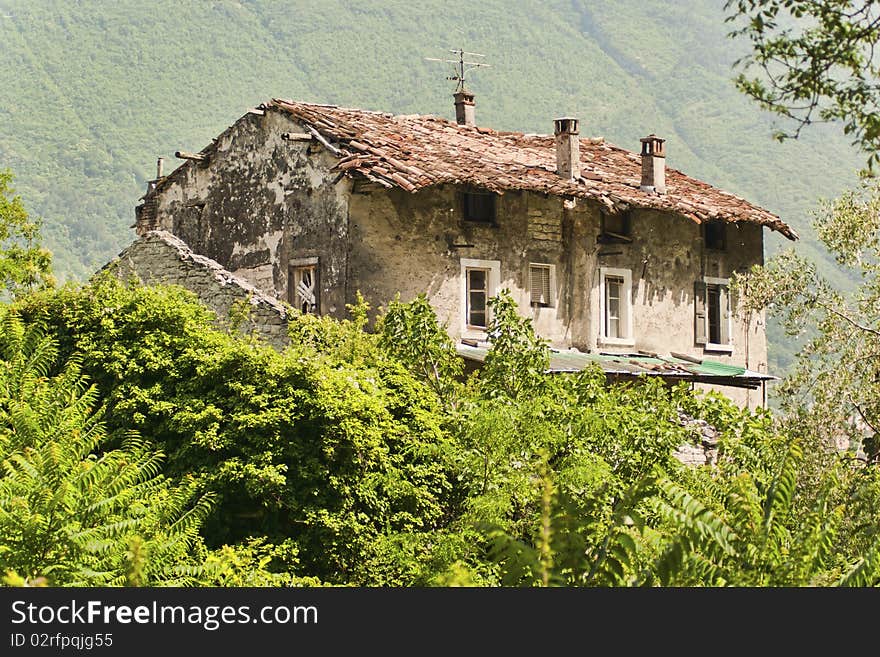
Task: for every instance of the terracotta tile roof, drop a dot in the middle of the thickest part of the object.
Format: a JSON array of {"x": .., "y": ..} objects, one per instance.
[{"x": 417, "y": 151}]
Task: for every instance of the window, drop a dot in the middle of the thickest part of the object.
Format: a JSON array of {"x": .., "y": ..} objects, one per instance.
[
  {"x": 712, "y": 316},
  {"x": 479, "y": 206},
  {"x": 480, "y": 279},
  {"x": 615, "y": 227},
  {"x": 542, "y": 285},
  {"x": 615, "y": 306},
  {"x": 478, "y": 294},
  {"x": 303, "y": 285},
  {"x": 715, "y": 236}
]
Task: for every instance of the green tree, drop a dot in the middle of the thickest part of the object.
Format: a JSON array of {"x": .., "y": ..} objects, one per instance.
[
  {"x": 411, "y": 333},
  {"x": 24, "y": 263},
  {"x": 71, "y": 512},
  {"x": 833, "y": 394},
  {"x": 813, "y": 61}
]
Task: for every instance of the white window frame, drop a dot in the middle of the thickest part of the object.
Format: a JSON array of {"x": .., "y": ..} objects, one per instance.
[
  {"x": 551, "y": 302},
  {"x": 303, "y": 263},
  {"x": 715, "y": 346},
  {"x": 626, "y": 309},
  {"x": 493, "y": 282}
]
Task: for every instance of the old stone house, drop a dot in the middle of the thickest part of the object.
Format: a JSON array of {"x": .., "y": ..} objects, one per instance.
[{"x": 616, "y": 257}]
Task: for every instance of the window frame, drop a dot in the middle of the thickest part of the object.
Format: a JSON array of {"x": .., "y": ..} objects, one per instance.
[
  {"x": 493, "y": 282},
  {"x": 626, "y": 318},
  {"x": 724, "y": 322},
  {"x": 551, "y": 284},
  {"x": 295, "y": 266}
]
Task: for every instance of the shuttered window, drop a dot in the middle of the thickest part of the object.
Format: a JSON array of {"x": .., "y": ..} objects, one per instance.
[
  {"x": 712, "y": 314},
  {"x": 542, "y": 284}
]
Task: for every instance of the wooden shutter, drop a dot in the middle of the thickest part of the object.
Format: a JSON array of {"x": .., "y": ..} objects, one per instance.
[
  {"x": 700, "y": 312},
  {"x": 539, "y": 281},
  {"x": 724, "y": 307}
]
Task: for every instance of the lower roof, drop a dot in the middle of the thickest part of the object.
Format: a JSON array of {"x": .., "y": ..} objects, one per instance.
[{"x": 633, "y": 366}]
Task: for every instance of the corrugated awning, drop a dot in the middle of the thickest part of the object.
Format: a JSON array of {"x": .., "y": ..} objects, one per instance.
[{"x": 631, "y": 366}]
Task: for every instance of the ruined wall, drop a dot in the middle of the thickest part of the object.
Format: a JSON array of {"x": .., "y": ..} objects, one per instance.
[
  {"x": 159, "y": 257},
  {"x": 259, "y": 202}
]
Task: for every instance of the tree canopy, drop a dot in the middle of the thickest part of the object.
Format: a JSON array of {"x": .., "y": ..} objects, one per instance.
[{"x": 813, "y": 61}]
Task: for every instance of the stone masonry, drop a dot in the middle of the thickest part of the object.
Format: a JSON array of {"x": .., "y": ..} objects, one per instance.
[{"x": 160, "y": 257}]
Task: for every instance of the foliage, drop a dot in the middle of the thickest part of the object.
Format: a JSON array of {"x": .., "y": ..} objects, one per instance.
[
  {"x": 24, "y": 263},
  {"x": 359, "y": 458},
  {"x": 330, "y": 444},
  {"x": 518, "y": 358},
  {"x": 70, "y": 513},
  {"x": 833, "y": 392},
  {"x": 410, "y": 333},
  {"x": 815, "y": 62}
]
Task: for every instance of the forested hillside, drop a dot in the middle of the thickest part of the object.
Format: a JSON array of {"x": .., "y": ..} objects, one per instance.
[{"x": 92, "y": 92}]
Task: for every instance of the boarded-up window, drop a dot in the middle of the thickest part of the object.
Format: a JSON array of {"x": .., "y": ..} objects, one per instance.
[
  {"x": 304, "y": 290},
  {"x": 541, "y": 284},
  {"x": 477, "y": 296}
]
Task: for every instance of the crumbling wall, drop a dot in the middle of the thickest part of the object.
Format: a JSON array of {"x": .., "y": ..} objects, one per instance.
[
  {"x": 159, "y": 257},
  {"x": 258, "y": 201}
]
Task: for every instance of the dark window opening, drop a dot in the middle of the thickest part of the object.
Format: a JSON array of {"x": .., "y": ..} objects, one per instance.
[
  {"x": 615, "y": 227},
  {"x": 714, "y": 315},
  {"x": 479, "y": 206},
  {"x": 714, "y": 234}
]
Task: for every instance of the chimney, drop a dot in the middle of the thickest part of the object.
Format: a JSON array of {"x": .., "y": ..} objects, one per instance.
[
  {"x": 568, "y": 148},
  {"x": 653, "y": 164},
  {"x": 464, "y": 108},
  {"x": 159, "y": 167}
]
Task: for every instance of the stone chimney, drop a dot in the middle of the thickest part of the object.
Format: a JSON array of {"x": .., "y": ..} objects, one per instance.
[
  {"x": 653, "y": 164},
  {"x": 464, "y": 108},
  {"x": 568, "y": 148}
]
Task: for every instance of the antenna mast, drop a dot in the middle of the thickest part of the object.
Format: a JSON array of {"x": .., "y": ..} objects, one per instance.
[{"x": 462, "y": 67}]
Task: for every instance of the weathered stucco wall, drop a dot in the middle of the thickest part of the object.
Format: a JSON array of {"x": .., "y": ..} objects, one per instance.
[
  {"x": 413, "y": 243},
  {"x": 159, "y": 257},
  {"x": 261, "y": 201}
]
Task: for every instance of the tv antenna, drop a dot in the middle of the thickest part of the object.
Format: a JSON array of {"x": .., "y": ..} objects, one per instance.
[{"x": 462, "y": 67}]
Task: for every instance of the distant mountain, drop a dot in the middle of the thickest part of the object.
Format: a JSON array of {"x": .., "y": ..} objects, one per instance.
[{"x": 91, "y": 92}]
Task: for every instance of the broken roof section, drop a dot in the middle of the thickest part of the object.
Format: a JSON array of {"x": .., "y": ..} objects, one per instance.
[
  {"x": 633, "y": 366},
  {"x": 413, "y": 152}
]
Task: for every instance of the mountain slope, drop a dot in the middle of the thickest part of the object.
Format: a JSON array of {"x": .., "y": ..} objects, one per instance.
[{"x": 92, "y": 92}]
